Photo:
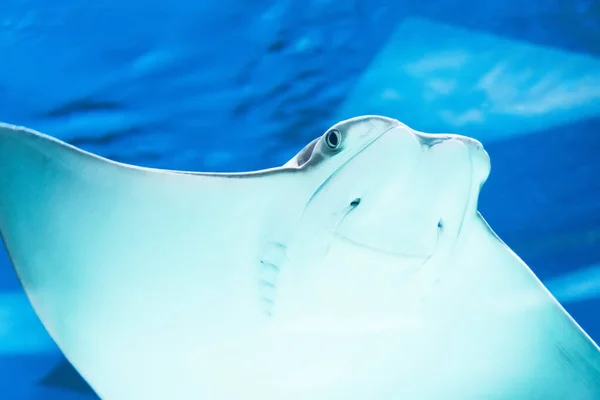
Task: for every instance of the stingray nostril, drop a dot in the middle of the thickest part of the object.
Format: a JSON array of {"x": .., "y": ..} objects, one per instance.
[{"x": 355, "y": 202}]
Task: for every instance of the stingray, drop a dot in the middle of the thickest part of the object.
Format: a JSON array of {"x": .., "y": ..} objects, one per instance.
[{"x": 360, "y": 269}]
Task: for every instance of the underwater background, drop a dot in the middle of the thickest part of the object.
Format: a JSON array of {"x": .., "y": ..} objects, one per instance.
[{"x": 239, "y": 85}]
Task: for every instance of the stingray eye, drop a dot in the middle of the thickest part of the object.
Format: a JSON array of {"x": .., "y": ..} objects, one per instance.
[{"x": 333, "y": 139}]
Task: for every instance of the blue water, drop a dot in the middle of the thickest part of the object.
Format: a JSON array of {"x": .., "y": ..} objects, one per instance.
[{"x": 239, "y": 85}]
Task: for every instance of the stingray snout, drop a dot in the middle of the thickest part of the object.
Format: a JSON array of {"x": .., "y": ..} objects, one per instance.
[
  {"x": 480, "y": 159},
  {"x": 431, "y": 139}
]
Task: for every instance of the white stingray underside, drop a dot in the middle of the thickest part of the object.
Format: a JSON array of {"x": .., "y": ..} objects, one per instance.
[
  {"x": 129, "y": 262},
  {"x": 147, "y": 280}
]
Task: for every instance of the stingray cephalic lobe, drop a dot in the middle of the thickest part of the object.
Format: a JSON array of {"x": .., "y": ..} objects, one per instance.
[{"x": 360, "y": 269}]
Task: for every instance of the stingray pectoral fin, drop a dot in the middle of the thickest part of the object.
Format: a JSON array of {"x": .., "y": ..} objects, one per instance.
[
  {"x": 108, "y": 252},
  {"x": 521, "y": 338}
]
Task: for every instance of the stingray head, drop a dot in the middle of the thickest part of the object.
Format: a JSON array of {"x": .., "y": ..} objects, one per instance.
[{"x": 388, "y": 188}]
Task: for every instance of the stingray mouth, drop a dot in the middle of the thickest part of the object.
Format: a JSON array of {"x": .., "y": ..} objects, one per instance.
[
  {"x": 386, "y": 238},
  {"x": 392, "y": 249}
]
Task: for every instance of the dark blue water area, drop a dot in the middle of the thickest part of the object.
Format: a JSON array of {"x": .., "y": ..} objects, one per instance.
[{"x": 237, "y": 86}]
